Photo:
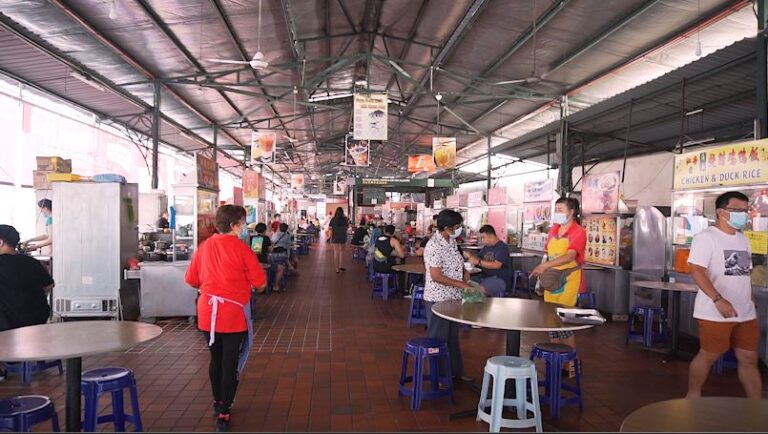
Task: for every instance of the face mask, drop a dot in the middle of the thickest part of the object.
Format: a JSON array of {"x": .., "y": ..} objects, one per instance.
[
  {"x": 738, "y": 220},
  {"x": 559, "y": 218},
  {"x": 456, "y": 233}
]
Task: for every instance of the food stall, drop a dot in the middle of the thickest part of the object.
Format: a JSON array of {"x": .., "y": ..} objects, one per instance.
[
  {"x": 475, "y": 214},
  {"x": 164, "y": 293},
  {"x": 504, "y": 216},
  {"x": 538, "y": 200},
  {"x": 608, "y": 222},
  {"x": 699, "y": 177}
]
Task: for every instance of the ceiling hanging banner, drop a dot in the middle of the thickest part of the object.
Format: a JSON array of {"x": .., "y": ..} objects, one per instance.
[
  {"x": 251, "y": 184},
  {"x": 340, "y": 185},
  {"x": 357, "y": 152},
  {"x": 263, "y": 146},
  {"x": 207, "y": 172},
  {"x": 421, "y": 163},
  {"x": 444, "y": 152},
  {"x": 370, "y": 115},
  {"x": 297, "y": 181}
]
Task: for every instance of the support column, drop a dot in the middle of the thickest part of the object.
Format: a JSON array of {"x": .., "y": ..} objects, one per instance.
[
  {"x": 216, "y": 143},
  {"x": 156, "y": 135},
  {"x": 761, "y": 120},
  {"x": 488, "y": 186},
  {"x": 562, "y": 149}
]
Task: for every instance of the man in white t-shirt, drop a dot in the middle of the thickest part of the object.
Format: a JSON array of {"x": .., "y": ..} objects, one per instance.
[{"x": 721, "y": 263}]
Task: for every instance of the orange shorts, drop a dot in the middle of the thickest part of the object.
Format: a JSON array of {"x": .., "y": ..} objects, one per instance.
[{"x": 717, "y": 337}]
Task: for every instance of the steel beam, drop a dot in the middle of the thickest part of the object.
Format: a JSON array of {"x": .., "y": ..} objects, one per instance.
[
  {"x": 155, "y": 134},
  {"x": 411, "y": 35}
]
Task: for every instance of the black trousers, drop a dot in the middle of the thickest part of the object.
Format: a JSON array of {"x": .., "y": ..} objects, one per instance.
[
  {"x": 222, "y": 370},
  {"x": 448, "y": 331}
]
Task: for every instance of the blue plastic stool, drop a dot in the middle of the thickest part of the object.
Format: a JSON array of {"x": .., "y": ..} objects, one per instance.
[
  {"x": 110, "y": 380},
  {"x": 587, "y": 300},
  {"x": 519, "y": 274},
  {"x": 383, "y": 285},
  {"x": 647, "y": 336},
  {"x": 435, "y": 352},
  {"x": 359, "y": 253},
  {"x": 26, "y": 369},
  {"x": 417, "y": 313},
  {"x": 19, "y": 413},
  {"x": 556, "y": 355},
  {"x": 370, "y": 271},
  {"x": 304, "y": 246},
  {"x": 727, "y": 360}
]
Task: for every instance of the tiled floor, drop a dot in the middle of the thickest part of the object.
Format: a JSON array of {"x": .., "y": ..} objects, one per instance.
[{"x": 327, "y": 358}]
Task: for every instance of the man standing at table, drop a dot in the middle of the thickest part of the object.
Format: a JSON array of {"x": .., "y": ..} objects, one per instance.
[
  {"x": 721, "y": 262},
  {"x": 24, "y": 283}
]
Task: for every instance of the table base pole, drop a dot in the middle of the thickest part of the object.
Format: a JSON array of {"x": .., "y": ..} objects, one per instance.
[{"x": 73, "y": 377}]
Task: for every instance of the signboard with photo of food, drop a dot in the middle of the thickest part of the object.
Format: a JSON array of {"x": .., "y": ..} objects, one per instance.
[
  {"x": 600, "y": 193},
  {"x": 357, "y": 152},
  {"x": 444, "y": 152},
  {"x": 537, "y": 212},
  {"x": 601, "y": 240}
]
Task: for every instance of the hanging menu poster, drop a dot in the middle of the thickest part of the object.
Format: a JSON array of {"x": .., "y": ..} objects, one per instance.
[
  {"x": 370, "y": 116},
  {"x": 444, "y": 152},
  {"x": 251, "y": 184},
  {"x": 601, "y": 240},
  {"x": 600, "y": 193},
  {"x": 263, "y": 146},
  {"x": 497, "y": 196},
  {"x": 207, "y": 172},
  {"x": 537, "y": 212},
  {"x": 340, "y": 185},
  {"x": 538, "y": 191},
  {"x": 357, "y": 152}
]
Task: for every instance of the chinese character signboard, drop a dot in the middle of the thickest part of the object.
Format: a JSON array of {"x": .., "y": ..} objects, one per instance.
[
  {"x": 736, "y": 164},
  {"x": 207, "y": 172},
  {"x": 370, "y": 116}
]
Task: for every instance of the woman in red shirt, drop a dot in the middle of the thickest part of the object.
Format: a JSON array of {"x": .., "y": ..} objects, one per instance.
[{"x": 224, "y": 269}]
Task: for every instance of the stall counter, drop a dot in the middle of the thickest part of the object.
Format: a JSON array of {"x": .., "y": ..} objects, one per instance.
[{"x": 164, "y": 293}]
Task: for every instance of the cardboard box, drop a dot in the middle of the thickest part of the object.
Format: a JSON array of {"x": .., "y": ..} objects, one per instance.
[
  {"x": 63, "y": 177},
  {"x": 54, "y": 164},
  {"x": 40, "y": 180}
]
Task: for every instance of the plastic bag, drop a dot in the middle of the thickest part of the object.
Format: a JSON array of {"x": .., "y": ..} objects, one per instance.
[{"x": 476, "y": 294}]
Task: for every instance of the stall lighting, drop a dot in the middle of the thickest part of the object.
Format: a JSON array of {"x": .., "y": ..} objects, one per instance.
[
  {"x": 329, "y": 97},
  {"x": 693, "y": 112},
  {"x": 87, "y": 80}
]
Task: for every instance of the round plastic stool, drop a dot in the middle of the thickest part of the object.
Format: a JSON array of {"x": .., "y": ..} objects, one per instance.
[{"x": 503, "y": 368}]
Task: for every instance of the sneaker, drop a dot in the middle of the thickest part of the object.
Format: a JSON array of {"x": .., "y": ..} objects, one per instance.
[{"x": 222, "y": 422}]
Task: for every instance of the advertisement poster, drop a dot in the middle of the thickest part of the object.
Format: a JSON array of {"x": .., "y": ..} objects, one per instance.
[
  {"x": 601, "y": 240},
  {"x": 444, "y": 152},
  {"x": 297, "y": 181},
  {"x": 263, "y": 146},
  {"x": 600, "y": 193},
  {"x": 539, "y": 191},
  {"x": 537, "y": 212},
  {"x": 452, "y": 201},
  {"x": 251, "y": 184},
  {"x": 497, "y": 217},
  {"x": 735, "y": 164},
  {"x": 497, "y": 196},
  {"x": 421, "y": 163},
  {"x": 357, "y": 152},
  {"x": 340, "y": 185},
  {"x": 370, "y": 115},
  {"x": 475, "y": 199},
  {"x": 207, "y": 172}
]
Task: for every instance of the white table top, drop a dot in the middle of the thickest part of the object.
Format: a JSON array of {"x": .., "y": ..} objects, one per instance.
[
  {"x": 667, "y": 286},
  {"x": 506, "y": 314},
  {"x": 711, "y": 414},
  {"x": 66, "y": 340},
  {"x": 522, "y": 255}
]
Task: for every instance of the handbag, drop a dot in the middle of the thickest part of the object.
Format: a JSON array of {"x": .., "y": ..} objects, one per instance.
[{"x": 552, "y": 279}]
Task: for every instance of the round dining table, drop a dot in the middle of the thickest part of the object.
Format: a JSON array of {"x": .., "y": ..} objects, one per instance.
[
  {"x": 709, "y": 414},
  {"x": 514, "y": 315},
  {"x": 71, "y": 341}
]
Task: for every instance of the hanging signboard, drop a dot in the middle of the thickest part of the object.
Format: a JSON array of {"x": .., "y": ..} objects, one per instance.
[
  {"x": 421, "y": 163},
  {"x": 538, "y": 191},
  {"x": 207, "y": 172},
  {"x": 537, "y": 212},
  {"x": 252, "y": 185},
  {"x": 498, "y": 196},
  {"x": 444, "y": 152},
  {"x": 297, "y": 181},
  {"x": 475, "y": 199},
  {"x": 452, "y": 201},
  {"x": 370, "y": 116},
  {"x": 357, "y": 152},
  {"x": 743, "y": 163},
  {"x": 263, "y": 146},
  {"x": 340, "y": 185},
  {"x": 600, "y": 193}
]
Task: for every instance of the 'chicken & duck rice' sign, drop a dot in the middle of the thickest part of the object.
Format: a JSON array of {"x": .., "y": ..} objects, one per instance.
[{"x": 735, "y": 164}]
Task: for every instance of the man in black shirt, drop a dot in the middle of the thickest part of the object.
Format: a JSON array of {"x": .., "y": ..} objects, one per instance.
[{"x": 24, "y": 284}]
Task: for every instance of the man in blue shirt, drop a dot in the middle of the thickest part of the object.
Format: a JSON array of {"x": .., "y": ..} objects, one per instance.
[{"x": 495, "y": 262}]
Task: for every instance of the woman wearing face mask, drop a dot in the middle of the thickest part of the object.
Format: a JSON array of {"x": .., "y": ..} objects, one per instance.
[
  {"x": 566, "y": 243},
  {"x": 444, "y": 280}
]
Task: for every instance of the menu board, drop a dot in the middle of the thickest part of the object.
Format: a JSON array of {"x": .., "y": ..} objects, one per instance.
[
  {"x": 538, "y": 191},
  {"x": 452, "y": 201},
  {"x": 600, "y": 193},
  {"x": 207, "y": 172},
  {"x": 497, "y": 196},
  {"x": 475, "y": 199},
  {"x": 535, "y": 241},
  {"x": 735, "y": 164},
  {"x": 497, "y": 217},
  {"x": 537, "y": 212},
  {"x": 601, "y": 240}
]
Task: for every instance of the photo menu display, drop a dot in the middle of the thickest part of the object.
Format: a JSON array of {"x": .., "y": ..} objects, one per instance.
[{"x": 601, "y": 240}]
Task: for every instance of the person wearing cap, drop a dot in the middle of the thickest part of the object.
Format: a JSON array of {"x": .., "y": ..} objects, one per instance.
[
  {"x": 24, "y": 285},
  {"x": 40, "y": 241}
]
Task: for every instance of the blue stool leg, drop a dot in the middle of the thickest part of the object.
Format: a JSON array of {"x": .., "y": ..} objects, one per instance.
[
  {"x": 118, "y": 410},
  {"x": 55, "y": 421},
  {"x": 448, "y": 375},
  {"x": 91, "y": 408},
  {"x": 434, "y": 373},
  {"x": 26, "y": 373},
  {"x": 403, "y": 371},
  {"x": 138, "y": 426},
  {"x": 554, "y": 385},
  {"x": 577, "y": 362},
  {"x": 418, "y": 381}
]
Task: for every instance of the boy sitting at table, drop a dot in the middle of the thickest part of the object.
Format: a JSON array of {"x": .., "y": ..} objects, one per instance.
[{"x": 494, "y": 260}]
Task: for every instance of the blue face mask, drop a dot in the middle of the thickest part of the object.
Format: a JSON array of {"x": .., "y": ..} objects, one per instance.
[
  {"x": 559, "y": 218},
  {"x": 456, "y": 233},
  {"x": 738, "y": 220}
]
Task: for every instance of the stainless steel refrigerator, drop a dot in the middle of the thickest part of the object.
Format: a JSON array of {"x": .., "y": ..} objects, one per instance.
[{"x": 94, "y": 234}]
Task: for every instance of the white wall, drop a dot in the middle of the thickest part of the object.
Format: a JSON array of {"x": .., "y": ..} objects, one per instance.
[{"x": 648, "y": 179}]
